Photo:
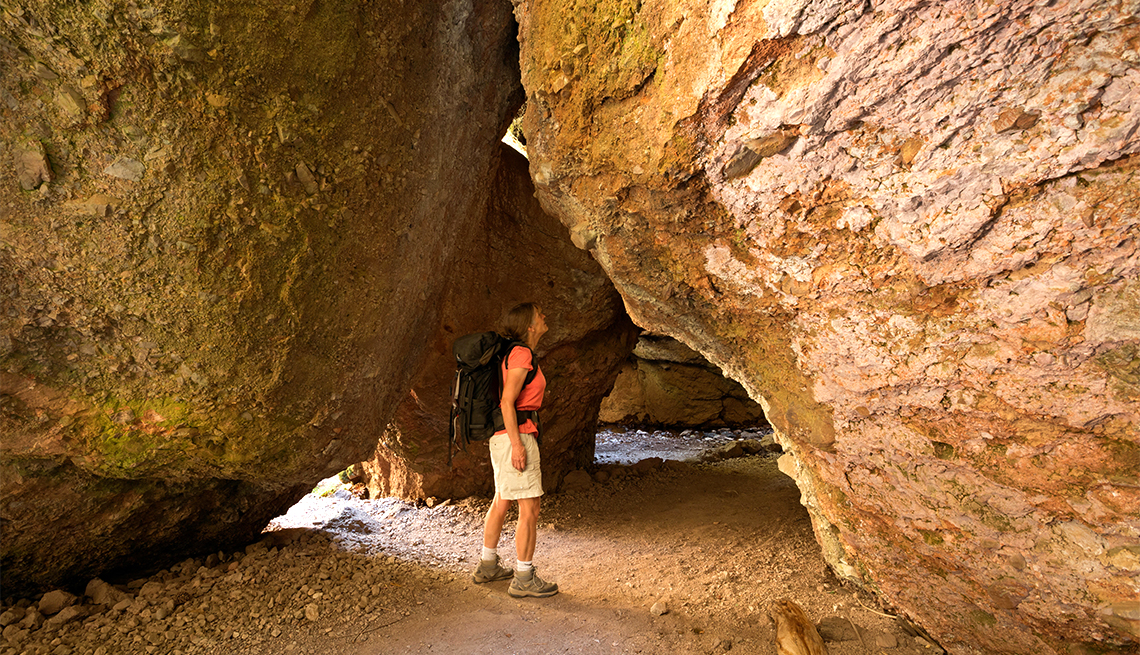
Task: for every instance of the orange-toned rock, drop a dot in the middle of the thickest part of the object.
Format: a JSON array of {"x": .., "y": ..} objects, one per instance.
[{"x": 931, "y": 291}]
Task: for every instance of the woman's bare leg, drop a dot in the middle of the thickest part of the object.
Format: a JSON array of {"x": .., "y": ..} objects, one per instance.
[
  {"x": 493, "y": 525},
  {"x": 527, "y": 531}
]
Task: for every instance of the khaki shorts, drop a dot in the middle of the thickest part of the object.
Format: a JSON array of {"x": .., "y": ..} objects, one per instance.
[{"x": 510, "y": 483}]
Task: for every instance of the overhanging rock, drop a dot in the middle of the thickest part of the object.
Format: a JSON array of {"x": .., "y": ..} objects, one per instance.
[
  {"x": 911, "y": 231},
  {"x": 222, "y": 248}
]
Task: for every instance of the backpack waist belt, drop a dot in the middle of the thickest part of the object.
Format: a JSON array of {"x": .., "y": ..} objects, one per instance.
[{"x": 521, "y": 415}]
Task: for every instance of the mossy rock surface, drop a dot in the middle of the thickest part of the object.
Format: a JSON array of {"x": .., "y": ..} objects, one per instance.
[{"x": 222, "y": 278}]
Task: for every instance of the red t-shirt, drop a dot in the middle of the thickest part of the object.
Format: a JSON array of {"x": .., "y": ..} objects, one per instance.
[{"x": 531, "y": 395}]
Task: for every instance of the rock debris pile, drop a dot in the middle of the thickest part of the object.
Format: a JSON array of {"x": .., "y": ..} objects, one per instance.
[{"x": 275, "y": 592}]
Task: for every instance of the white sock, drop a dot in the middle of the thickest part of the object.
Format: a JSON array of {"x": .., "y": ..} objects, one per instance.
[
  {"x": 490, "y": 554},
  {"x": 525, "y": 566}
]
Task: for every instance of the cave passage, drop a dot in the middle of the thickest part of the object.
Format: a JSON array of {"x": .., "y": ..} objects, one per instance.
[{"x": 617, "y": 444}]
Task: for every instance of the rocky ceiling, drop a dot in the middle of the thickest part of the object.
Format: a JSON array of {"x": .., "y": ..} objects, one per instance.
[{"x": 908, "y": 229}]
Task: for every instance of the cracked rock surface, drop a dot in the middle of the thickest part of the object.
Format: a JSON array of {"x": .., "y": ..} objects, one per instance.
[{"x": 910, "y": 230}]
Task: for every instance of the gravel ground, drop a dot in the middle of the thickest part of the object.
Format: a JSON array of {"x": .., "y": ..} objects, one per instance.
[{"x": 650, "y": 557}]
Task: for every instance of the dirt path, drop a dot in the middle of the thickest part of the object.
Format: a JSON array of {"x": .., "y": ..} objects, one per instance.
[{"x": 714, "y": 544}]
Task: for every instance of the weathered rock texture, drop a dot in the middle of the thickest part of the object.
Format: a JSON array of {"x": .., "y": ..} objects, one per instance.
[
  {"x": 910, "y": 229},
  {"x": 518, "y": 253},
  {"x": 667, "y": 383},
  {"x": 220, "y": 231}
]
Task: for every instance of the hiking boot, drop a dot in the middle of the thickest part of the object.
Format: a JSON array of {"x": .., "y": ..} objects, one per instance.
[
  {"x": 529, "y": 584},
  {"x": 489, "y": 570}
]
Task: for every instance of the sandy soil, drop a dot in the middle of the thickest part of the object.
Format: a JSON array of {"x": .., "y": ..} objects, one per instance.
[{"x": 711, "y": 544}]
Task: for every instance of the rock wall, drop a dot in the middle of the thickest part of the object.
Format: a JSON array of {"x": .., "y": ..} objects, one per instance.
[
  {"x": 910, "y": 230},
  {"x": 667, "y": 383},
  {"x": 221, "y": 227},
  {"x": 517, "y": 253}
]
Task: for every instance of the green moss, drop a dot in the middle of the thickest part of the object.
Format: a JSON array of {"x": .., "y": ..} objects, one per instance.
[
  {"x": 125, "y": 435},
  {"x": 134, "y": 438},
  {"x": 983, "y": 618},
  {"x": 608, "y": 44},
  {"x": 931, "y": 537},
  {"x": 943, "y": 450},
  {"x": 988, "y": 516},
  {"x": 1122, "y": 364}
]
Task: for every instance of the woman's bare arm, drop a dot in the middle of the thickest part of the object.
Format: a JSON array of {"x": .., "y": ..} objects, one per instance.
[{"x": 512, "y": 387}]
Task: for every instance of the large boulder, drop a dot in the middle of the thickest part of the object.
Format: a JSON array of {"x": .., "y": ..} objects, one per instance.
[
  {"x": 667, "y": 383},
  {"x": 910, "y": 230},
  {"x": 221, "y": 244},
  {"x": 517, "y": 253}
]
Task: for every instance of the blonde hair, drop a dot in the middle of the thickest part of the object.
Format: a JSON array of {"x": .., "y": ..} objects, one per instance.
[{"x": 517, "y": 320}]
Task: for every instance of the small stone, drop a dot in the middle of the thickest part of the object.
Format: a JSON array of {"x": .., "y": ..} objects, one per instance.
[
  {"x": 95, "y": 205},
  {"x": 886, "y": 640},
  {"x": 184, "y": 50},
  {"x": 122, "y": 605},
  {"x": 305, "y": 177},
  {"x": 836, "y": 628},
  {"x": 741, "y": 163},
  {"x": 1084, "y": 537},
  {"x": 312, "y": 612},
  {"x": 1014, "y": 119},
  {"x": 751, "y": 446},
  {"x": 31, "y": 162},
  {"x": 102, "y": 593},
  {"x": 126, "y": 169},
  {"x": 577, "y": 481},
  {"x": 730, "y": 450},
  {"x": 773, "y": 144},
  {"x": 646, "y": 465},
  {"x": 151, "y": 589},
  {"x": 8, "y": 617},
  {"x": 44, "y": 73},
  {"x": 71, "y": 101},
  {"x": 770, "y": 444},
  {"x": 909, "y": 150},
  {"x": 659, "y": 608},
  {"x": 65, "y": 615},
  {"x": 54, "y": 601},
  {"x": 32, "y": 620}
]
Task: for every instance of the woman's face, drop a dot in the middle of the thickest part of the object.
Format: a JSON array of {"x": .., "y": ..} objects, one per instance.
[{"x": 538, "y": 324}]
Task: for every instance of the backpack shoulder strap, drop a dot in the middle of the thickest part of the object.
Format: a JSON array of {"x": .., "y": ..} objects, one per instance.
[{"x": 533, "y": 362}]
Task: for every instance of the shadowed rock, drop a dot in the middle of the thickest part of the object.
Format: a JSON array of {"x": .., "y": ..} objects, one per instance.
[
  {"x": 666, "y": 383},
  {"x": 222, "y": 294},
  {"x": 518, "y": 253}
]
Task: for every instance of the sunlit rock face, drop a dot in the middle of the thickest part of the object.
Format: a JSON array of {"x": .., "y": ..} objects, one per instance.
[
  {"x": 222, "y": 230},
  {"x": 518, "y": 253},
  {"x": 910, "y": 230},
  {"x": 666, "y": 383}
]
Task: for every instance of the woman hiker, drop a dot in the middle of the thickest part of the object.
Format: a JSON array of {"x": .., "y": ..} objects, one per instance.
[{"x": 515, "y": 460}]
